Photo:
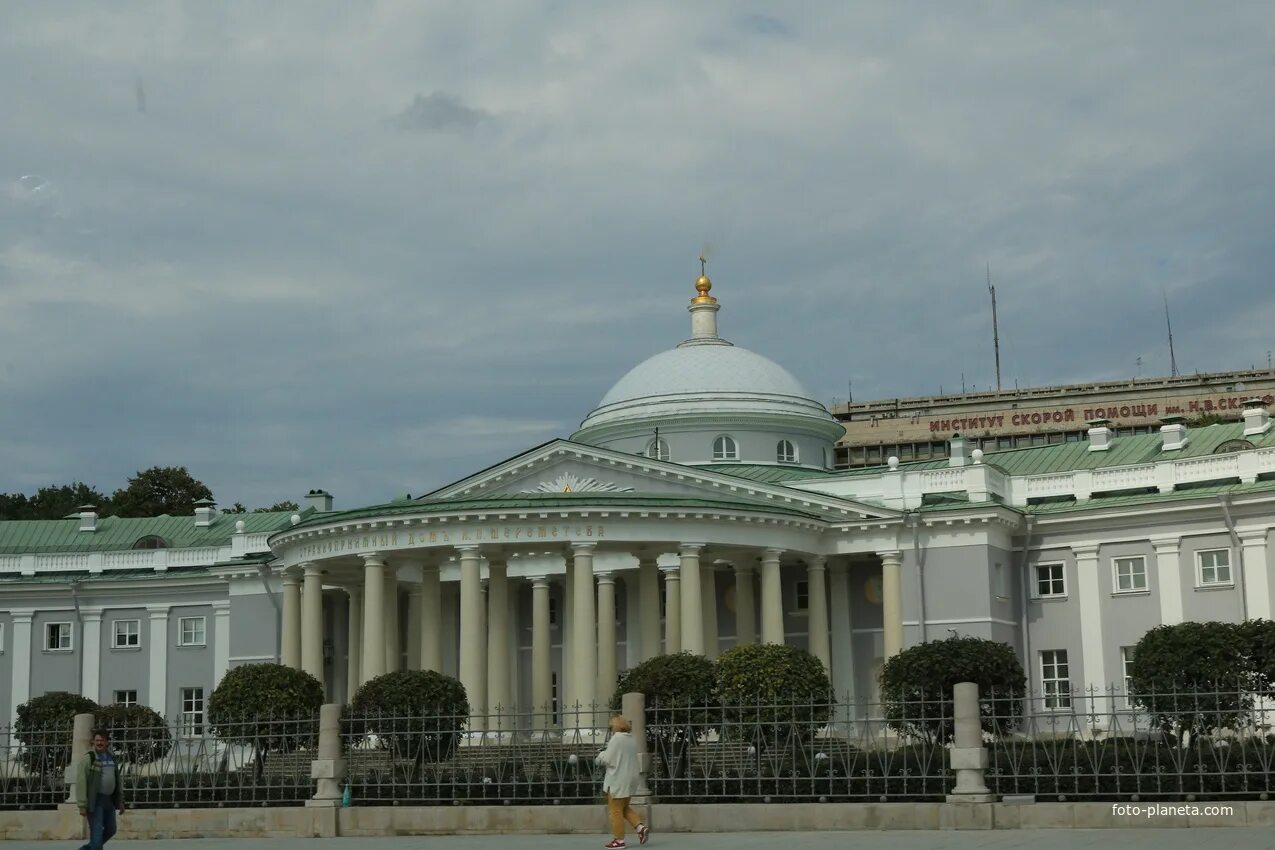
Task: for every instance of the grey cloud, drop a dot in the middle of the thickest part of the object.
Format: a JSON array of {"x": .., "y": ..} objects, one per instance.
[{"x": 439, "y": 112}]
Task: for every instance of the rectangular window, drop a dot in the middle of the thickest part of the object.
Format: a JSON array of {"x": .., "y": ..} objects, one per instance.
[
  {"x": 1131, "y": 574},
  {"x": 553, "y": 696},
  {"x": 192, "y": 719},
  {"x": 1055, "y": 678},
  {"x": 1215, "y": 566},
  {"x": 126, "y": 697},
  {"x": 664, "y": 599},
  {"x": 553, "y": 612},
  {"x": 57, "y": 637},
  {"x": 1126, "y": 669},
  {"x": 803, "y": 595},
  {"x": 191, "y": 631},
  {"x": 128, "y": 634},
  {"x": 1000, "y": 585},
  {"x": 1050, "y": 580}
]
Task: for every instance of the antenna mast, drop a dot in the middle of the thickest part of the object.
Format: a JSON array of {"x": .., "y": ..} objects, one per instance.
[
  {"x": 996, "y": 336},
  {"x": 1173, "y": 360}
]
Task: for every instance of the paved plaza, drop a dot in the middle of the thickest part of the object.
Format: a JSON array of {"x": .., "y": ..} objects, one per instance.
[{"x": 1054, "y": 839}]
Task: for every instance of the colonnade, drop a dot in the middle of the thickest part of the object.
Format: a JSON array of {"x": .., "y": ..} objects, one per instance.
[{"x": 589, "y": 645}]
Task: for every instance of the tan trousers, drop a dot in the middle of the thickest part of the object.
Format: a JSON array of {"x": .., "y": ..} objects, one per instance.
[{"x": 620, "y": 811}]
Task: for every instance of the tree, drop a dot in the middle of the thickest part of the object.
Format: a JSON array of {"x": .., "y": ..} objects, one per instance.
[
  {"x": 917, "y": 686},
  {"x": 272, "y": 708},
  {"x": 45, "y": 726},
  {"x": 160, "y": 490},
  {"x": 53, "y": 502},
  {"x": 1194, "y": 678},
  {"x": 279, "y": 507},
  {"x": 238, "y": 508},
  {"x": 1259, "y": 647},
  {"x": 138, "y": 734},
  {"x": 679, "y": 703},
  {"x": 772, "y": 694},
  {"x": 417, "y": 714}
]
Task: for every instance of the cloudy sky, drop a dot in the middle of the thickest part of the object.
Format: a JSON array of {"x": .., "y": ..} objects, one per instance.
[{"x": 375, "y": 246}]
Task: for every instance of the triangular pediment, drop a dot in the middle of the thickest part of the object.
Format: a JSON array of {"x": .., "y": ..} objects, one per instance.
[{"x": 573, "y": 468}]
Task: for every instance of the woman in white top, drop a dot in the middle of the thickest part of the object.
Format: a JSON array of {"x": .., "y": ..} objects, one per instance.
[{"x": 620, "y": 758}]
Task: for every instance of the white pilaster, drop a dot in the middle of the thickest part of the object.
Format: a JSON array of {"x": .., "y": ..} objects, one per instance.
[
  {"x": 1257, "y": 587},
  {"x": 290, "y": 652},
  {"x": 672, "y": 610},
  {"x": 1089, "y": 597},
  {"x": 393, "y": 644},
  {"x": 373, "y": 664},
  {"x": 473, "y": 660},
  {"x": 480, "y": 699},
  {"x": 584, "y": 634},
  {"x": 354, "y": 622},
  {"x": 499, "y": 697},
  {"x": 221, "y": 640},
  {"x": 649, "y": 603},
  {"x": 1168, "y": 559},
  {"x": 91, "y": 659},
  {"x": 692, "y": 599},
  {"x": 312, "y": 622},
  {"x": 414, "y": 628},
  {"x": 745, "y": 606},
  {"x": 20, "y": 646},
  {"x": 816, "y": 577},
  {"x": 772, "y": 598},
  {"x": 431, "y": 620},
  {"x": 708, "y": 602},
  {"x": 892, "y": 602},
  {"x": 606, "y": 638},
  {"x": 541, "y": 664},
  {"x": 156, "y": 693}
]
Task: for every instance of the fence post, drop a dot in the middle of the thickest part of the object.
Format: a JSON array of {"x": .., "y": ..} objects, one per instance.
[
  {"x": 329, "y": 767},
  {"x": 633, "y": 707},
  {"x": 81, "y": 743},
  {"x": 968, "y": 755}
]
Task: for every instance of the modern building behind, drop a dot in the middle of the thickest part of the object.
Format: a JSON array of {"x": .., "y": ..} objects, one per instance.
[{"x": 920, "y": 428}]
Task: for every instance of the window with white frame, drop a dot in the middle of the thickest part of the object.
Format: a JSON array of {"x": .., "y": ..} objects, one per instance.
[
  {"x": 802, "y": 594},
  {"x": 1130, "y": 574},
  {"x": 57, "y": 637},
  {"x": 1126, "y": 669},
  {"x": 1000, "y": 583},
  {"x": 1055, "y": 678},
  {"x": 1214, "y": 566},
  {"x": 725, "y": 448},
  {"x": 657, "y": 450},
  {"x": 1050, "y": 580},
  {"x": 786, "y": 452},
  {"x": 192, "y": 716},
  {"x": 126, "y": 697},
  {"x": 128, "y": 634},
  {"x": 191, "y": 631}
]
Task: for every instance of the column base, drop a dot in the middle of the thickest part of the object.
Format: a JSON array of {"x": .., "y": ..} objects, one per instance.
[{"x": 970, "y": 798}]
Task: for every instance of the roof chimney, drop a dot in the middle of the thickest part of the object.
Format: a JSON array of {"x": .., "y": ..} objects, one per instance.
[
  {"x": 1257, "y": 420},
  {"x": 88, "y": 518},
  {"x": 1174, "y": 432},
  {"x": 320, "y": 500},
  {"x": 1099, "y": 435},
  {"x": 958, "y": 457},
  {"x": 205, "y": 512}
]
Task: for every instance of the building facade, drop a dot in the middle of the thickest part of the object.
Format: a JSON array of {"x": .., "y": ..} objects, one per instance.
[{"x": 696, "y": 508}]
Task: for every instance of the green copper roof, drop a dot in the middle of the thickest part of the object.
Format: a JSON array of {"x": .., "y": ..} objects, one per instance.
[
  {"x": 1130, "y": 499},
  {"x": 19, "y": 537},
  {"x": 766, "y": 472}
]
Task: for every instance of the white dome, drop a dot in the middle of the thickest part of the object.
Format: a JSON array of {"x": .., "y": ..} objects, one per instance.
[{"x": 702, "y": 369}]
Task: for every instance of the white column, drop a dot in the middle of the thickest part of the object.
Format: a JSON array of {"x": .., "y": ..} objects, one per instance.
[
  {"x": 692, "y": 599},
  {"x": 649, "y": 610},
  {"x": 221, "y": 640},
  {"x": 541, "y": 647},
  {"x": 312, "y": 622},
  {"x": 672, "y": 611},
  {"x": 892, "y": 602},
  {"x": 708, "y": 600},
  {"x": 1257, "y": 587},
  {"x": 499, "y": 697},
  {"x": 473, "y": 660},
  {"x": 772, "y": 598},
  {"x": 354, "y": 622},
  {"x": 842, "y": 647},
  {"x": 20, "y": 686},
  {"x": 373, "y": 663},
  {"x": 606, "y": 638},
  {"x": 745, "y": 606},
  {"x": 582, "y": 677},
  {"x": 156, "y": 694},
  {"x": 482, "y": 699},
  {"x": 431, "y": 620},
  {"x": 1168, "y": 557},
  {"x": 414, "y": 628},
  {"x": 1089, "y": 598},
  {"x": 816, "y": 578},
  {"x": 91, "y": 659},
  {"x": 393, "y": 645},
  {"x": 290, "y": 652}
]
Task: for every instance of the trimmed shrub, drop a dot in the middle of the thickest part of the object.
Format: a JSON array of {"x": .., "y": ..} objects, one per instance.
[
  {"x": 1195, "y": 677},
  {"x": 679, "y": 703},
  {"x": 272, "y": 708},
  {"x": 772, "y": 694},
  {"x": 917, "y": 685},
  {"x": 1259, "y": 645},
  {"x": 418, "y": 714},
  {"x": 45, "y": 725},
  {"x": 138, "y": 733}
]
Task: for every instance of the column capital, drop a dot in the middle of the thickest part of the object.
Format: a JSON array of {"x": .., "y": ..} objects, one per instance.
[
  {"x": 471, "y": 549},
  {"x": 1166, "y": 545},
  {"x": 1252, "y": 536},
  {"x": 220, "y": 606},
  {"x": 671, "y": 572},
  {"x": 816, "y": 562},
  {"x": 353, "y": 590},
  {"x": 743, "y": 567},
  {"x": 772, "y": 554},
  {"x": 690, "y": 548},
  {"x": 538, "y": 580},
  {"x": 91, "y": 615},
  {"x": 312, "y": 569},
  {"x": 581, "y": 548},
  {"x": 372, "y": 559},
  {"x": 1085, "y": 550},
  {"x": 158, "y": 613},
  {"x": 607, "y": 577},
  {"x": 291, "y": 575},
  {"x": 891, "y": 555}
]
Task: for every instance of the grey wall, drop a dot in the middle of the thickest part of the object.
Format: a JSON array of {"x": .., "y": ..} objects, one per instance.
[
  {"x": 755, "y": 446},
  {"x": 124, "y": 669},
  {"x": 1208, "y": 603},
  {"x": 55, "y": 671},
  {"x": 1126, "y": 616},
  {"x": 253, "y": 624},
  {"x": 188, "y": 666},
  {"x": 6, "y": 667}
]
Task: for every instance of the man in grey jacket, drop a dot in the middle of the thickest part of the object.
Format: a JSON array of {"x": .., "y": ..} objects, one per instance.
[{"x": 98, "y": 791}]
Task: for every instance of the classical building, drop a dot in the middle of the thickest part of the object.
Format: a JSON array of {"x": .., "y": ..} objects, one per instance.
[{"x": 696, "y": 508}]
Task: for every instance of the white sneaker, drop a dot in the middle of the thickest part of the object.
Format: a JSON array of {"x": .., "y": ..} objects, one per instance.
[{"x": 642, "y": 832}]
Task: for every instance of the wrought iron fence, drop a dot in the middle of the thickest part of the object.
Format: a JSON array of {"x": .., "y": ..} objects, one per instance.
[{"x": 33, "y": 768}]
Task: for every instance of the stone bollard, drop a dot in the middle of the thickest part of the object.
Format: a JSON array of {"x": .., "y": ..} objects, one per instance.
[
  {"x": 81, "y": 743},
  {"x": 329, "y": 768},
  {"x": 633, "y": 707},
  {"x": 969, "y": 756}
]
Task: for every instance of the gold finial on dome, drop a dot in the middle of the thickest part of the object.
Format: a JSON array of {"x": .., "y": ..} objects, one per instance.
[{"x": 703, "y": 285}]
